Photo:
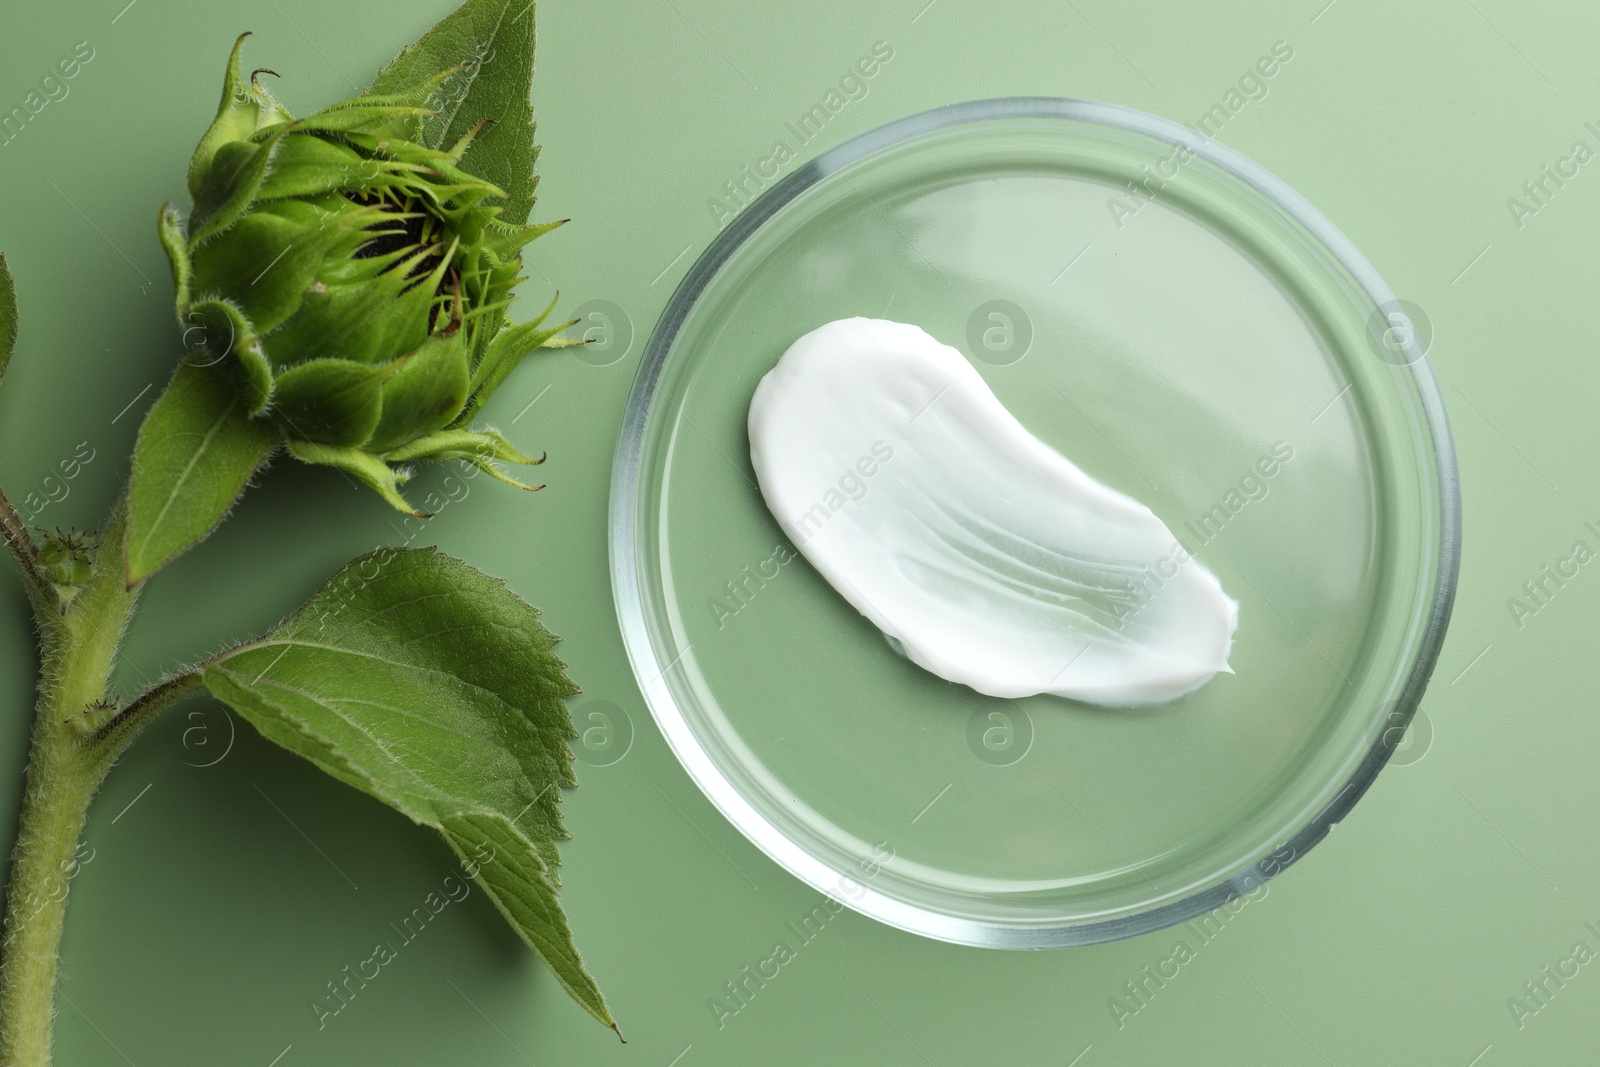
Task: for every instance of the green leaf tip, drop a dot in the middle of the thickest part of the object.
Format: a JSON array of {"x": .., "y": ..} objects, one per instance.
[{"x": 431, "y": 686}]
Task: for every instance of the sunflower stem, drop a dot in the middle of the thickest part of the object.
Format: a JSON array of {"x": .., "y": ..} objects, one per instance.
[{"x": 65, "y": 768}]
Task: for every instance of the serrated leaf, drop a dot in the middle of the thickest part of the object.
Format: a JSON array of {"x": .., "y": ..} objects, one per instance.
[
  {"x": 8, "y": 315},
  {"x": 429, "y": 685},
  {"x": 196, "y": 452},
  {"x": 496, "y": 37},
  {"x": 518, "y": 883}
]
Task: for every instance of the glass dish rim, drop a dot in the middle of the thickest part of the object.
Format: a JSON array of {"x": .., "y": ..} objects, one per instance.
[{"x": 624, "y": 525}]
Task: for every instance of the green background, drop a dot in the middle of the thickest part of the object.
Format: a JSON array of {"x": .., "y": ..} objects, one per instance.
[{"x": 220, "y": 899}]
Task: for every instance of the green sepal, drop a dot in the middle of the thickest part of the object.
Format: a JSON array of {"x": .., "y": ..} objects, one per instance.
[
  {"x": 459, "y": 149},
  {"x": 169, "y": 227},
  {"x": 227, "y": 337},
  {"x": 461, "y": 187},
  {"x": 412, "y": 107},
  {"x": 500, "y": 475},
  {"x": 514, "y": 237},
  {"x": 508, "y": 344},
  {"x": 367, "y": 118},
  {"x": 409, "y": 317},
  {"x": 331, "y": 401},
  {"x": 509, "y": 347},
  {"x": 425, "y": 393},
  {"x": 230, "y": 184},
  {"x": 268, "y": 259},
  {"x": 481, "y": 448},
  {"x": 196, "y": 452},
  {"x": 418, "y": 95},
  {"x": 461, "y": 444},
  {"x": 363, "y": 465},
  {"x": 313, "y": 166},
  {"x": 516, "y": 341},
  {"x": 385, "y": 147},
  {"x": 245, "y": 108},
  {"x": 364, "y": 317},
  {"x": 359, "y": 320}
]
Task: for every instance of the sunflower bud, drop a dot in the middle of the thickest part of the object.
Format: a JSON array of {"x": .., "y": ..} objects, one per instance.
[{"x": 353, "y": 281}]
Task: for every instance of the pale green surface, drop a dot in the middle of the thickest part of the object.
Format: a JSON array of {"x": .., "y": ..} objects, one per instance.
[{"x": 206, "y": 923}]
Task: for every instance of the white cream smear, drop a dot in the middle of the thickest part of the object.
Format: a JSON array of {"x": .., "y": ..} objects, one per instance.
[{"x": 983, "y": 554}]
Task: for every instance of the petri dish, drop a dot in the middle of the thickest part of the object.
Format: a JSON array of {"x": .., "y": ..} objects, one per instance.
[{"x": 1184, "y": 327}]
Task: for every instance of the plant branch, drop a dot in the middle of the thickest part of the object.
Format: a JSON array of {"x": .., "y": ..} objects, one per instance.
[
  {"x": 41, "y": 594},
  {"x": 133, "y": 718},
  {"x": 26, "y": 556},
  {"x": 15, "y": 531}
]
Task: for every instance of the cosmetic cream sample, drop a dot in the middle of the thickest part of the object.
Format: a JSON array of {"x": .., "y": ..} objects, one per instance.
[{"x": 983, "y": 554}]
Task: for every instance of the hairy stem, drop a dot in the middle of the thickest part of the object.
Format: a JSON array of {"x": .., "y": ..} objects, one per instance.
[
  {"x": 60, "y": 783},
  {"x": 65, "y": 768}
]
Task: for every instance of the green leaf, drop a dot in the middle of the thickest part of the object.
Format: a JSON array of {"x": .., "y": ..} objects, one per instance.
[
  {"x": 429, "y": 685},
  {"x": 8, "y": 315},
  {"x": 496, "y": 37},
  {"x": 196, "y": 452}
]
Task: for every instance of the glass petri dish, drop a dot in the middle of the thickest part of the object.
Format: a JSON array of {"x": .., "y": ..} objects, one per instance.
[{"x": 1184, "y": 327}]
